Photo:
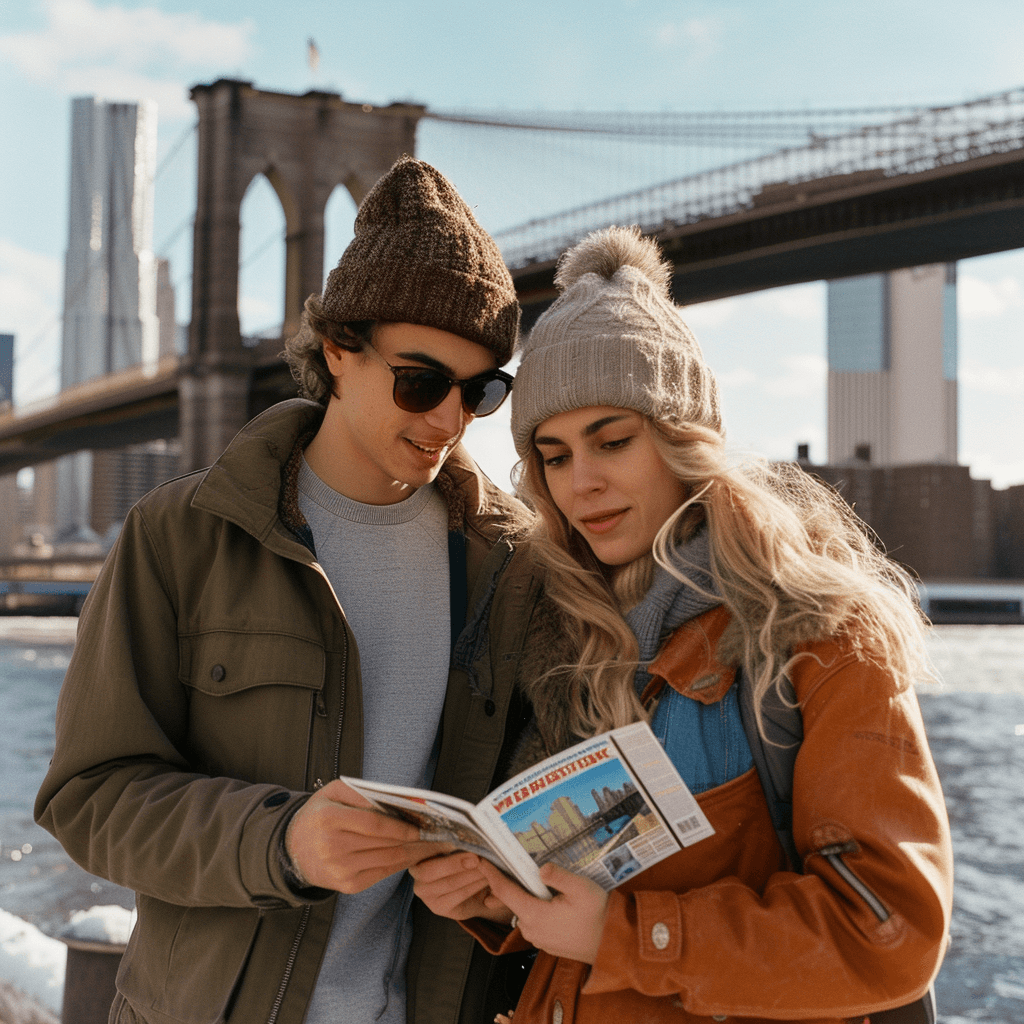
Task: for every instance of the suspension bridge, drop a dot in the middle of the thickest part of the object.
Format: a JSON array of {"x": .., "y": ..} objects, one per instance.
[{"x": 820, "y": 194}]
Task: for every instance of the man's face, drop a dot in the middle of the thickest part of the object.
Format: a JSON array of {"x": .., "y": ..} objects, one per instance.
[{"x": 368, "y": 448}]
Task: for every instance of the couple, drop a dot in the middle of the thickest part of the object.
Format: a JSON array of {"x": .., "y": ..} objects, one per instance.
[{"x": 344, "y": 592}]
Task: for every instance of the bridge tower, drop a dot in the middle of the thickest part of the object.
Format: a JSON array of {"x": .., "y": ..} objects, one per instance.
[{"x": 305, "y": 146}]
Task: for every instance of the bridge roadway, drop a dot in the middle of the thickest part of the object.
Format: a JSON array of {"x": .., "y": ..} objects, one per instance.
[
  {"x": 123, "y": 409},
  {"x": 834, "y": 227},
  {"x": 829, "y": 228}
]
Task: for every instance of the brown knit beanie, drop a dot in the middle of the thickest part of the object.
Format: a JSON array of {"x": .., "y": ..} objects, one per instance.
[
  {"x": 420, "y": 257},
  {"x": 612, "y": 337}
]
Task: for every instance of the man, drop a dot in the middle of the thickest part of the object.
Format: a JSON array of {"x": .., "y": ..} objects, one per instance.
[{"x": 290, "y": 615}]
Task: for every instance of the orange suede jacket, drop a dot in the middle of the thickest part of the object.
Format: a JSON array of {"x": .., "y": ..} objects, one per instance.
[{"x": 722, "y": 930}]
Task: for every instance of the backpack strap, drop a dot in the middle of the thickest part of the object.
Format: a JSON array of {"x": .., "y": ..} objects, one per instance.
[
  {"x": 775, "y": 760},
  {"x": 775, "y": 757}
]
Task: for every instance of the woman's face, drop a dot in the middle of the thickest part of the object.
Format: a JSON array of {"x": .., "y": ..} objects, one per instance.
[{"x": 608, "y": 480}]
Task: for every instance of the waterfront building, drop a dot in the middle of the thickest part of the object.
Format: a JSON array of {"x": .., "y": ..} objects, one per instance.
[{"x": 892, "y": 368}]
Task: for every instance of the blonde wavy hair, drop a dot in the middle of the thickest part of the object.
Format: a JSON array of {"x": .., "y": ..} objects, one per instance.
[{"x": 790, "y": 559}]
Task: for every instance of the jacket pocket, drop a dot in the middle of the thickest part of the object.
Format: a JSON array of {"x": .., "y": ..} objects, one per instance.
[
  {"x": 184, "y": 964},
  {"x": 250, "y": 702}
]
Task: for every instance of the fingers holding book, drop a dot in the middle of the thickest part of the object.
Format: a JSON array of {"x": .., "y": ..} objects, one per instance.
[
  {"x": 337, "y": 841},
  {"x": 453, "y": 886},
  {"x": 568, "y": 925}
]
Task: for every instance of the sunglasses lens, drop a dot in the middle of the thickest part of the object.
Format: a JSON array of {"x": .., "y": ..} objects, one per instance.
[
  {"x": 481, "y": 397},
  {"x": 420, "y": 390}
]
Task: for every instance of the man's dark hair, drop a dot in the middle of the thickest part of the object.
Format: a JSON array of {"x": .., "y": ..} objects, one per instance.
[{"x": 305, "y": 355}]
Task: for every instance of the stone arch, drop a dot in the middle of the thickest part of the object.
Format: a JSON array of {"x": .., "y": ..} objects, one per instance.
[
  {"x": 263, "y": 221},
  {"x": 305, "y": 145},
  {"x": 339, "y": 215}
]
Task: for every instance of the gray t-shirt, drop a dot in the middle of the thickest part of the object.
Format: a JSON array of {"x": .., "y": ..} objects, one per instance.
[{"x": 388, "y": 565}]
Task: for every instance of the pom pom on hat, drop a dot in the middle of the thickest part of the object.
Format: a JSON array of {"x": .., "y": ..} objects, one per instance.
[
  {"x": 613, "y": 337},
  {"x": 604, "y": 252}
]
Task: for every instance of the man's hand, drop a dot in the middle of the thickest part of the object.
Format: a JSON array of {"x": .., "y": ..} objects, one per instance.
[
  {"x": 569, "y": 925},
  {"x": 454, "y": 887},
  {"x": 337, "y": 841}
]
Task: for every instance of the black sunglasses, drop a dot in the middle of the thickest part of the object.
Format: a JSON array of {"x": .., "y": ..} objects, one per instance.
[{"x": 420, "y": 388}]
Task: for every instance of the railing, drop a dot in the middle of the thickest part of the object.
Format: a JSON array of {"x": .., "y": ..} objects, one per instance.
[{"x": 925, "y": 139}]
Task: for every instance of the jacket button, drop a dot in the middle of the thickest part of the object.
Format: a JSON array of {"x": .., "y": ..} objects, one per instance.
[
  {"x": 489, "y": 707},
  {"x": 719, "y": 1016},
  {"x": 660, "y": 935},
  {"x": 556, "y": 1013},
  {"x": 217, "y": 673}
]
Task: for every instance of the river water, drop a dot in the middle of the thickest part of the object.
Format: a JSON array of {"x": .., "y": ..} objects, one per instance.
[{"x": 975, "y": 724}]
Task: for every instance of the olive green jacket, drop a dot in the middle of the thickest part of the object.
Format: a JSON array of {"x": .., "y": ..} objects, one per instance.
[{"x": 214, "y": 684}]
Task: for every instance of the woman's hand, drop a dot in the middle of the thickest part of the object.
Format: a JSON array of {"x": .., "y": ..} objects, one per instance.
[
  {"x": 453, "y": 886},
  {"x": 569, "y": 925}
]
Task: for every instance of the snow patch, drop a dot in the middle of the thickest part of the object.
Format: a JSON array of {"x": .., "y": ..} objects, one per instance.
[
  {"x": 110, "y": 924},
  {"x": 32, "y": 961}
]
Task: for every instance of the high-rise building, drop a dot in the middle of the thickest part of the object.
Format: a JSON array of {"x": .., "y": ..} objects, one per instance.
[
  {"x": 168, "y": 338},
  {"x": 6, "y": 370},
  {"x": 110, "y": 274},
  {"x": 892, "y": 366},
  {"x": 8, "y": 488}
]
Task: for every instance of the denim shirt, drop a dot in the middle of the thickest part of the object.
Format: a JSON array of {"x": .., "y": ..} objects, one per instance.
[{"x": 705, "y": 742}]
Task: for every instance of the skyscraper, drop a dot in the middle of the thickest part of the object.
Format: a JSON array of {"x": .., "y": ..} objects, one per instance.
[
  {"x": 892, "y": 367},
  {"x": 6, "y": 370},
  {"x": 110, "y": 274}
]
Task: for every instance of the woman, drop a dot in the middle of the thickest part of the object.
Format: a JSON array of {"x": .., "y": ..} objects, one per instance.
[{"x": 667, "y": 568}]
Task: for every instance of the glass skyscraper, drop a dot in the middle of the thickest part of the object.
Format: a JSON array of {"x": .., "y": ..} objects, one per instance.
[
  {"x": 892, "y": 367},
  {"x": 110, "y": 274}
]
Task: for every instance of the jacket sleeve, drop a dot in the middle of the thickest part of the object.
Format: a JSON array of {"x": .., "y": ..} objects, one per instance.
[
  {"x": 121, "y": 795},
  {"x": 864, "y": 928}
]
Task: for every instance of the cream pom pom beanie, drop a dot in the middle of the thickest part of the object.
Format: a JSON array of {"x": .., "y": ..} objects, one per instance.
[{"x": 612, "y": 337}]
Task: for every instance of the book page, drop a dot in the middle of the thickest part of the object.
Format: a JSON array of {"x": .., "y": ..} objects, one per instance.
[
  {"x": 586, "y": 810},
  {"x": 453, "y": 823},
  {"x": 670, "y": 795}
]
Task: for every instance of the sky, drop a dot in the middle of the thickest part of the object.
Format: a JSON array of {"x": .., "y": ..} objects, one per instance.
[{"x": 767, "y": 348}]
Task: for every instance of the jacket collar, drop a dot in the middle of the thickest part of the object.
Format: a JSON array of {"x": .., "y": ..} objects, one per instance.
[
  {"x": 688, "y": 662},
  {"x": 245, "y": 484}
]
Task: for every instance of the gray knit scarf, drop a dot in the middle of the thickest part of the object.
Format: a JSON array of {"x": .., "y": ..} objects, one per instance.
[{"x": 669, "y": 603}]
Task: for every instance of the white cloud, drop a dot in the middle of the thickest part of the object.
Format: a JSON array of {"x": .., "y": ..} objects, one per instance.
[
  {"x": 30, "y": 285},
  {"x": 802, "y": 302},
  {"x": 977, "y": 297},
  {"x": 989, "y": 465},
  {"x": 741, "y": 377},
  {"x": 124, "y": 53},
  {"x": 804, "y": 376},
  {"x": 257, "y": 314},
  {"x": 801, "y": 376},
  {"x": 1005, "y": 381},
  {"x": 797, "y": 302},
  {"x": 703, "y": 315},
  {"x": 697, "y": 35}
]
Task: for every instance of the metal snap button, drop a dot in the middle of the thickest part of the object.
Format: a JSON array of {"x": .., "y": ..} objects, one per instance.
[{"x": 660, "y": 935}]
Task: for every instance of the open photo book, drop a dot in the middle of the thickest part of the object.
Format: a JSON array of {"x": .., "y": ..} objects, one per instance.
[{"x": 605, "y": 808}]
